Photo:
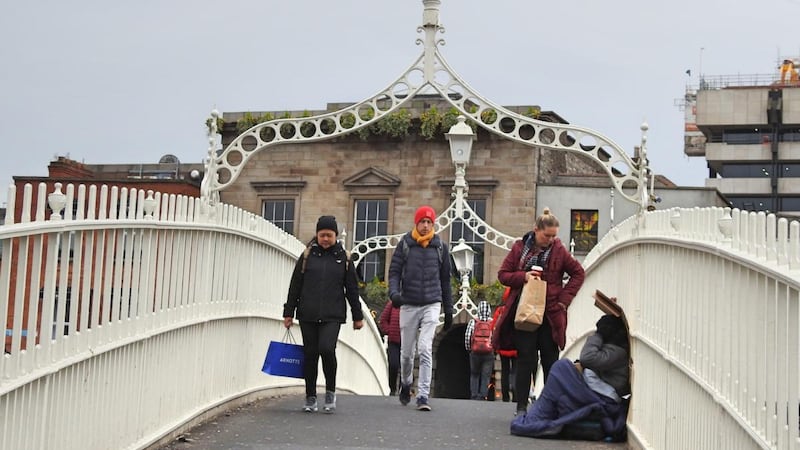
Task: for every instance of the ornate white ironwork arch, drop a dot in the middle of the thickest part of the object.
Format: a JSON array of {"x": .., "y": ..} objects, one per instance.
[
  {"x": 430, "y": 70},
  {"x": 430, "y": 73}
]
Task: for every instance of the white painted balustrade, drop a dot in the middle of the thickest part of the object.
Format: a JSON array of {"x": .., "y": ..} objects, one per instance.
[
  {"x": 712, "y": 299},
  {"x": 132, "y": 313}
]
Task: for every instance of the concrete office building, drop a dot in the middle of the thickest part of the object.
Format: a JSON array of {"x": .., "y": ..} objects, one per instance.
[{"x": 747, "y": 127}]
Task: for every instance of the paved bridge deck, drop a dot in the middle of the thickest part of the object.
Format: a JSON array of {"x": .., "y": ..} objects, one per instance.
[{"x": 367, "y": 422}]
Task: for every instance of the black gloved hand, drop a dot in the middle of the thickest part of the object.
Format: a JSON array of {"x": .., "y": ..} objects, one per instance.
[
  {"x": 397, "y": 300},
  {"x": 448, "y": 321}
]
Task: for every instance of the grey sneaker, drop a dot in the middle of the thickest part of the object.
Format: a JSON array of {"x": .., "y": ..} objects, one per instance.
[
  {"x": 311, "y": 404},
  {"x": 330, "y": 402},
  {"x": 422, "y": 404}
]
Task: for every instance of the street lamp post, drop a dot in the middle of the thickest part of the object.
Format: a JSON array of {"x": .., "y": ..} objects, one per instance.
[
  {"x": 464, "y": 258},
  {"x": 460, "y": 137}
]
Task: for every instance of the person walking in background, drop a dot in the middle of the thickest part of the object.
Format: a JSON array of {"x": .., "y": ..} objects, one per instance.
[
  {"x": 419, "y": 282},
  {"x": 540, "y": 247},
  {"x": 323, "y": 278},
  {"x": 508, "y": 357},
  {"x": 478, "y": 342},
  {"x": 389, "y": 324}
]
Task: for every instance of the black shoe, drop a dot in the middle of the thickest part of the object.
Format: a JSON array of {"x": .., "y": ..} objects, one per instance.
[
  {"x": 405, "y": 394},
  {"x": 520, "y": 412}
]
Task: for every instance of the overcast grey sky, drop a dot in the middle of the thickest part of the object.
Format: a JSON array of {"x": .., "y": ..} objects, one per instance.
[{"x": 127, "y": 82}]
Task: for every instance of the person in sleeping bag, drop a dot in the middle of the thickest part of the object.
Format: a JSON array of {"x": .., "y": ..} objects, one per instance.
[{"x": 594, "y": 388}]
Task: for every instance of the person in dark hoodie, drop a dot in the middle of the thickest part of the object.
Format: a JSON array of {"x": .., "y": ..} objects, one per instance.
[
  {"x": 481, "y": 360},
  {"x": 419, "y": 282},
  {"x": 540, "y": 247},
  {"x": 323, "y": 278}
]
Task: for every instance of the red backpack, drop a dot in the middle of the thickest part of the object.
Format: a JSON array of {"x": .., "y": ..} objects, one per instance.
[{"x": 481, "y": 342}]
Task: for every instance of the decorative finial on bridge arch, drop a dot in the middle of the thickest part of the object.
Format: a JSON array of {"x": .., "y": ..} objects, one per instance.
[
  {"x": 644, "y": 171},
  {"x": 430, "y": 15}
]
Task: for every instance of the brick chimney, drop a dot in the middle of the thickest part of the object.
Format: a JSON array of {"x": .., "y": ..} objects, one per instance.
[{"x": 66, "y": 168}]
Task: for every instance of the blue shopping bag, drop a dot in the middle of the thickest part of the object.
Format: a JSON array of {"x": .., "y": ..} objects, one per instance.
[{"x": 285, "y": 358}]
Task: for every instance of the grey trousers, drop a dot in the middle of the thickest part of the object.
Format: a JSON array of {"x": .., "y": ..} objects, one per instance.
[{"x": 424, "y": 319}]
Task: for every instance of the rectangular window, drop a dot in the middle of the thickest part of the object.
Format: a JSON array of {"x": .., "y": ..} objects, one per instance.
[
  {"x": 583, "y": 229},
  {"x": 371, "y": 219},
  {"x": 460, "y": 230},
  {"x": 281, "y": 213}
]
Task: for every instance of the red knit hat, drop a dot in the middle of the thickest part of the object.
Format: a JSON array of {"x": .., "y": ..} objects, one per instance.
[{"x": 424, "y": 212}]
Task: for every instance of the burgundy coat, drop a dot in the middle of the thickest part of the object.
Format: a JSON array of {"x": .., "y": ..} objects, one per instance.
[
  {"x": 389, "y": 322},
  {"x": 558, "y": 263}
]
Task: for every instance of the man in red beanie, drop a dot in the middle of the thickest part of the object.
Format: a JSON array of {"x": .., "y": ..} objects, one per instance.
[{"x": 419, "y": 282}]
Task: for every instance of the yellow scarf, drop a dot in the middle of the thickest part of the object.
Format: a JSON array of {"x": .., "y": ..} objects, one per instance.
[{"x": 423, "y": 241}]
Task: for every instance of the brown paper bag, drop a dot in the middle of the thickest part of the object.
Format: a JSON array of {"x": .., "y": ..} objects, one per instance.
[{"x": 530, "y": 307}]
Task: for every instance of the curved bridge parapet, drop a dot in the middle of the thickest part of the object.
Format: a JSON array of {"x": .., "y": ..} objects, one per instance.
[
  {"x": 712, "y": 298},
  {"x": 121, "y": 303}
]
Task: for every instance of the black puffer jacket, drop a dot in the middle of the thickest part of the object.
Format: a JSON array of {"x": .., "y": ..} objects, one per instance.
[
  {"x": 421, "y": 276},
  {"x": 318, "y": 295}
]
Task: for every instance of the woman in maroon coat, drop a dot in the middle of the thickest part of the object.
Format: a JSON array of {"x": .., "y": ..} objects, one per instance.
[
  {"x": 540, "y": 247},
  {"x": 389, "y": 324}
]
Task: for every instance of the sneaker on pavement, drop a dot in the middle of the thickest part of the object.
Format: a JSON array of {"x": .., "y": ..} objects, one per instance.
[
  {"x": 311, "y": 404},
  {"x": 330, "y": 402},
  {"x": 405, "y": 394},
  {"x": 422, "y": 404}
]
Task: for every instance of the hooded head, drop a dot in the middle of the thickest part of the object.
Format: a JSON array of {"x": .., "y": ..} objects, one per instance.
[
  {"x": 613, "y": 330},
  {"x": 327, "y": 223},
  {"x": 424, "y": 212}
]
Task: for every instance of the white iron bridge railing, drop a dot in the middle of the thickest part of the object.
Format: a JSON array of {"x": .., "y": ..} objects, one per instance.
[
  {"x": 131, "y": 314},
  {"x": 712, "y": 299}
]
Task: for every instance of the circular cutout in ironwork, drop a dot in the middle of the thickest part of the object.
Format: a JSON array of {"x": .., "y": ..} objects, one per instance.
[
  {"x": 327, "y": 126},
  {"x": 234, "y": 158},
  {"x": 567, "y": 138},
  {"x": 267, "y": 134},
  {"x": 527, "y": 132},
  {"x": 366, "y": 112},
  {"x": 415, "y": 77},
  {"x": 619, "y": 169},
  {"x": 224, "y": 175},
  {"x": 400, "y": 90},
  {"x": 347, "y": 120},
  {"x": 508, "y": 125},
  {"x": 249, "y": 143},
  {"x": 308, "y": 129},
  {"x": 383, "y": 103},
  {"x": 588, "y": 143},
  {"x": 547, "y": 136},
  {"x": 288, "y": 130}
]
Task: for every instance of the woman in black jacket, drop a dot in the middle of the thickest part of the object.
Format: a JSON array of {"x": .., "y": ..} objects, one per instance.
[{"x": 323, "y": 277}]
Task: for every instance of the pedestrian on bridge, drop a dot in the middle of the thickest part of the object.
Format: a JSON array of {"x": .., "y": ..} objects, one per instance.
[
  {"x": 419, "y": 282},
  {"x": 389, "y": 323},
  {"x": 324, "y": 278},
  {"x": 540, "y": 247},
  {"x": 481, "y": 354}
]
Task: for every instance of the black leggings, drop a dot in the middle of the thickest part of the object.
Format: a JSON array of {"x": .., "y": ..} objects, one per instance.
[
  {"x": 529, "y": 345},
  {"x": 393, "y": 354},
  {"x": 319, "y": 340}
]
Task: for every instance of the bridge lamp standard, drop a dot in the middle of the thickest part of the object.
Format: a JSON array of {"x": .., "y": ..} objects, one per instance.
[
  {"x": 464, "y": 258},
  {"x": 460, "y": 136}
]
